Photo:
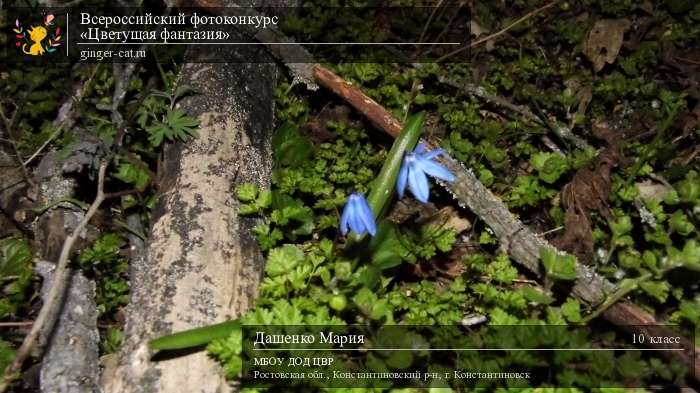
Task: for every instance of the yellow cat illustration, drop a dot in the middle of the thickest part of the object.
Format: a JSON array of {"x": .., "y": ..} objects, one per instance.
[{"x": 36, "y": 34}]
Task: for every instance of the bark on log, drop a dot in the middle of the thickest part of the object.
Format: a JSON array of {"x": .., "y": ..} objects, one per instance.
[
  {"x": 70, "y": 364},
  {"x": 70, "y": 361},
  {"x": 202, "y": 264}
]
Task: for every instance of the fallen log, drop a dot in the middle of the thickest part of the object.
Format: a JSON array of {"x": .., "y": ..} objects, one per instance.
[{"x": 202, "y": 264}]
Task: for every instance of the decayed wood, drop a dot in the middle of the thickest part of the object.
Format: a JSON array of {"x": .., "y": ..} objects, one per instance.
[
  {"x": 70, "y": 360},
  {"x": 516, "y": 238},
  {"x": 70, "y": 364},
  {"x": 202, "y": 264}
]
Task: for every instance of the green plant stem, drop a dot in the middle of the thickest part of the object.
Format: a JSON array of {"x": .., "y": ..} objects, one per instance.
[
  {"x": 41, "y": 210},
  {"x": 384, "y": 184},
  {"x": 623, "y": 289}
]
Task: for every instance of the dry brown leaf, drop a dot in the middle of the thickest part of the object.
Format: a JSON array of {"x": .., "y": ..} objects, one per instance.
[
  {"x": 604, "y": 41},
  {"x": 584, "y": 97},
  {"x": 316, "y": 128},
  {"x": 588, "y": 191},
  {"x": 475, "y": 29},
  {"x": 407, "y": 208},
  {"x": 448, "y": 218},
  {"x": 652, "y": 190}
]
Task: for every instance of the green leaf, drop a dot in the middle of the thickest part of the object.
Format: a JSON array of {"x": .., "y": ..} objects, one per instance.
[
  {"x": 228, "y": 351},
  {"x": 176, "y": 125},
  {"x": 290, "y": 148},
  {"x": 502, "y": 270},
  {"x": 15, "y": 256},
  {"x": 689, "y": 188},
  {"x": 267, "y": 238},
  {"x": 620, "y": 227},
  {"x": 679, "y": 222},
  {"x": 288, "y": 209},
  {"x": 371, "y": 305},
  {"x": 283, "y": 260},
  {"x": 387, "y": 249},
  {"x": 181, "y": 124},
  {"x": 7, "y": 354},
  {"x": 132, "y": 174},
  {"x": 499, "y": 317},
  {"x": 195, "y": 337},
  {"x": 286, "y": 313},
  {"x": 15, "y": 274},
  {"x": 571, "y": 310},
  {"x": 528, "y": 191},
  {"x": 558, "y": 266},
  {"x": 536, "y": 296},
  {"x": 656, "y": 289},
  {"x": 690, "y": 256},
  {"x": 550, "y": 166},
  {"x": 629, "y": 258},
  {"x": 247, "y": 192}
]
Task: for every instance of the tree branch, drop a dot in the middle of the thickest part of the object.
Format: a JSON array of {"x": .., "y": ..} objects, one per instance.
[{"x": 516, "y": 238}]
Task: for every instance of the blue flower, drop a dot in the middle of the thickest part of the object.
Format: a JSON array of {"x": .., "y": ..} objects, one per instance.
[
  {"x": 416, "y": 165},
  {"x": 357, "y": 216}
]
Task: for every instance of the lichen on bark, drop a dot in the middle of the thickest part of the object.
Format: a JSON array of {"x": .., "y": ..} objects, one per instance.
[{"x": 201, "y": 265}]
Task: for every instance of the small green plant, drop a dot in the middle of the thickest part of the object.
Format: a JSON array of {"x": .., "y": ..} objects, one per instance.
[
  {"x": 16, "y": 272},
  {"x": 112, "y": 340},
  {"x": 162, "y": 121},
  {"x": 104, "y": 262}
]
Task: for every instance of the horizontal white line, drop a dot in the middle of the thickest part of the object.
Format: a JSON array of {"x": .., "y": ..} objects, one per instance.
[
  {"x": 469, "y": 349},
  {"x": 269, "y": 43}
]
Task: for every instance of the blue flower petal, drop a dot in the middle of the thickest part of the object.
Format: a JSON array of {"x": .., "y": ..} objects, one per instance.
[
  {"x": 403, "y": 178},
  {"x": 432, "y": 154},
  {"x": 420, "y": 149},
  {"x": 418, "y": 182},
  {"x": 356, "y": 223},
  {"x": 436, "y": 170},
  {"x": 357, "y": 216},
  {"x": 367, "y": 217}
]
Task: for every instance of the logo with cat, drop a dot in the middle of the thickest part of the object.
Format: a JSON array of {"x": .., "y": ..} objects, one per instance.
[{"x": 35, "y": 40}]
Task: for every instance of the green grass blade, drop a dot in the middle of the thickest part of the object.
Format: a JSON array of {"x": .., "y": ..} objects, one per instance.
[{"x": 195, "y": 337}]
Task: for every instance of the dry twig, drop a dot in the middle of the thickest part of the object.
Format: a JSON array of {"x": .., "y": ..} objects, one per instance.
[{"x": 498, "y": 33}]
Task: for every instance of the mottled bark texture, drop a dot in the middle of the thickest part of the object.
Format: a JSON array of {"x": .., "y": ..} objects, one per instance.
[
  {"x": 70, "y": 361},
  {"x": 202, "y": 265},
  {"x": 70, "y": 364}
]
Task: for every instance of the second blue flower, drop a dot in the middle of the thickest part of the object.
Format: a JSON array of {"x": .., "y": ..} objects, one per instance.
[{"x": 416, "y": 168}]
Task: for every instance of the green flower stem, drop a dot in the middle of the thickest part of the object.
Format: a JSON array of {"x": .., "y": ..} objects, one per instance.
[{"x": 384, "y": 184}]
